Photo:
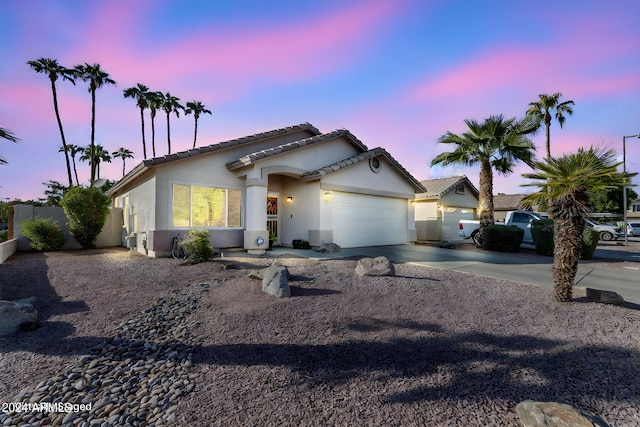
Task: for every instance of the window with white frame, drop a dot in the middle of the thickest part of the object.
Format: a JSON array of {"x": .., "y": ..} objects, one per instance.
[{"x": 196, "y": 206}]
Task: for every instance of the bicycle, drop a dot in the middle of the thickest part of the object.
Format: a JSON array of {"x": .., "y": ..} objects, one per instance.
[{"x": 177, "y": 247}]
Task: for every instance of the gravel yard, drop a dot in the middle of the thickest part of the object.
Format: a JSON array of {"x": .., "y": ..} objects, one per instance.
[{"x": 426, "y": 347}]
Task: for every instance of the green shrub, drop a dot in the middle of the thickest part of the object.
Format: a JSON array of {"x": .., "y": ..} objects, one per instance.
[
  {"x": 590, "y": 239},
  {"x": 542, "y": 234},
  {"x": 197, "y": 246},
  {"x": 502, "y": 239},
  {"x": 4, "y": 235},
  {"x": 44, "y": 234},
  {"x": 87, "y": 210}
]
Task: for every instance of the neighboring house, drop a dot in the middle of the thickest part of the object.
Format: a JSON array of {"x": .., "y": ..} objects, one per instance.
[
  {"x": 293, "y": 183},
  {"x": 633, "y": 210},
  {"x": 503, "y": 203},
  {"x": 440, "y": 208}
]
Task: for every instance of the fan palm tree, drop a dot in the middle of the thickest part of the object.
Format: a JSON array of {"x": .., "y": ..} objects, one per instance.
[
  {"x": 9, "y": 136},
  {"x": 196, "y": 108},
  {"x": 156, "y": 100},
  {"x": 140, "y": 93},
  {"x": 541, "y": 112},
  {"x": 566, "y": 184},
  {"x": 171, "y": 105},
  {"x": 124, "y": 154},
  {"x": 73, "y": 150},
  {"x": 97, "y": 78},
  {"x": 495, "y": 144},
  {"x": 99, "y": 155},
  {"x": 54, "y": 71}
]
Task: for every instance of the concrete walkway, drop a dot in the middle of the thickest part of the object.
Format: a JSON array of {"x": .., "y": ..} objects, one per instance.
[{"x": 524, "y": 267}]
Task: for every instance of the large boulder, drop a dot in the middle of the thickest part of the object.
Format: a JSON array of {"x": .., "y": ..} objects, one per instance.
[
  {"x": 605, "y": 297},
  {"x": 552, "y": 414},
  {"x": 379, "y": 266},
  {"x": 275, "y": 281},
  {"x": 17, "y": 315}
]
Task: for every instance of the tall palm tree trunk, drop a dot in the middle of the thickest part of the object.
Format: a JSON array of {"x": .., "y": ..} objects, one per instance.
[
  {"x": 93, "y": 134},
  {"x": 75, "y": 171},
  {"x": 485, "y": 199},
  {"x": 195, "y": 133},
  {"x": 168, "y": 133},
  {"x": 567, "y": 241},
  {"x": 547, "y": 131},
  {"x": 144, "y": 144},
  {"x": 64, "y": 141}
]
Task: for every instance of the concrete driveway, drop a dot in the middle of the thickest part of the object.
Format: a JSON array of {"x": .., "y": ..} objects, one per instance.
[{"x": 525, "y": 266}]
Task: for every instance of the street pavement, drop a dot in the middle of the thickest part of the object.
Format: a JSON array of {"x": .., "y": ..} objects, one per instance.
[{"x": 524, "y": 267}]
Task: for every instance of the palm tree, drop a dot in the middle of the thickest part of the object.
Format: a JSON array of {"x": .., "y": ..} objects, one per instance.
[
  {"x": 171, "y": 105},
  {"x": 99, "y": 155},
  {"x": 541, "y": 112},
  {"x": 9, "y": 136},
  {"x": 156, "y": 100},
  {"x": 54, "y": 71},
  {"x": 97, "y": 78},
  {"x": 196, "y": 108},
  {"x": 140, "y": 93},
  {"x": 73, "y": 150},
  {"x": 566, "y": 184},
  {"x": 123, "y": 153},
  {"x": 495, "y": 144}
]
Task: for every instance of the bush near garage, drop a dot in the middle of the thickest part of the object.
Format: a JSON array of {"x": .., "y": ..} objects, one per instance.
[
  {"x": 542, "y": 233},
  {"x": 501, "y": 238}
]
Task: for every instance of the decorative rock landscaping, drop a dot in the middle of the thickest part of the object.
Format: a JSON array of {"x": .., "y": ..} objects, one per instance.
[{"x": 136, "y": 379}]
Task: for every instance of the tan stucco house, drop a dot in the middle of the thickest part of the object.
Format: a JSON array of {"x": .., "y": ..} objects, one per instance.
[
  {"x": 294, "y": 183},
  {"x": 440, "y": 208}
]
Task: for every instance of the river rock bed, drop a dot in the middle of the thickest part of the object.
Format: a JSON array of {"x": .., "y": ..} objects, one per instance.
[{"x": 135, "y": 379}]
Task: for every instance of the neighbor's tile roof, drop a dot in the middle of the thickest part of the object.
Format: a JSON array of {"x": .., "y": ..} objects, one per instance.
[
  {"x": 507, "y": 201},
  {"x": 440, "y": 186},
  {"x": 262, "y": 154}
]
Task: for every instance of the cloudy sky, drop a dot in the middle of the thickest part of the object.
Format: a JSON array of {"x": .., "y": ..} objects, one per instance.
[{"x": 397, "y": 73}]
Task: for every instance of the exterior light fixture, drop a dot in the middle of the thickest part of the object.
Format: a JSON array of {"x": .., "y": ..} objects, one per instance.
[
  {"x": 289, "y": 199},
  {"x": 327, "y": 196}
]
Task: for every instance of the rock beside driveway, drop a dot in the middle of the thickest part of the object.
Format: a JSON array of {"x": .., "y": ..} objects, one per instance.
[
  {"x": 552, "y": 414},
  {"x": 605, "y": 297},
  {"x": 379, "y": 266}
]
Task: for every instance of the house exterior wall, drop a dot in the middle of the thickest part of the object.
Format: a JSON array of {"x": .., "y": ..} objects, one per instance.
[{"x": 428, "y": 220}]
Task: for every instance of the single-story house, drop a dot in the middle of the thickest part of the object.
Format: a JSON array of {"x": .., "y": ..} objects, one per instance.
[
  {"x": 503, "y": 203},
  {"x": 295, "y": 183},
  {"x": 440, "y": 208}
]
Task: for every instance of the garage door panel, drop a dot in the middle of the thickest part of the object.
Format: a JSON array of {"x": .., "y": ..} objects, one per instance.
[{"x": 361, "y": 220}]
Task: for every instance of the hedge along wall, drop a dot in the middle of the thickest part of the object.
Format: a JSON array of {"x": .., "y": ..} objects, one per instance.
[{"x": 111, "y": 234}]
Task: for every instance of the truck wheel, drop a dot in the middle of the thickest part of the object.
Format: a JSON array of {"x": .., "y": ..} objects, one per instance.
[
  {"x": 475, "y": 236},
  {"x": 605, "y": 235}
]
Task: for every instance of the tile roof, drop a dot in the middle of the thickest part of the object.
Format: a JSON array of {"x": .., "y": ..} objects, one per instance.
[
  {"x": 440, "y": 186},
  {"x": 507, "y": 201},
  {"x": 262, "y": 154}
]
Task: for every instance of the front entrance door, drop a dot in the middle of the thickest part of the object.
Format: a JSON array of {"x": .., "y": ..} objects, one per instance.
[{"x": 272, "y": 216}]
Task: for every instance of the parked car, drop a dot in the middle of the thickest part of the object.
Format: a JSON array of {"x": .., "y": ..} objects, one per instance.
[
  {"x": 468, "y": 228},
  {"x": 606, "y": 232},
  {"x": 635, "y": 228}
]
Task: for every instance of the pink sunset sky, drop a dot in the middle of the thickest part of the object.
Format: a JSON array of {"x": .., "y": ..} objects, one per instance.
[{"x": 397, "y": 73}]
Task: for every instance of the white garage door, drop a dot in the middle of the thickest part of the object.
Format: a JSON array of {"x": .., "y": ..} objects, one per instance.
[
  {"x": 361, "y": 220},
  {"x": 451, "y": 221}
]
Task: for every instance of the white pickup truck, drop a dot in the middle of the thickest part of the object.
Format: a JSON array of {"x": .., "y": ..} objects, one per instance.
[{"x": 522, "y": 219}]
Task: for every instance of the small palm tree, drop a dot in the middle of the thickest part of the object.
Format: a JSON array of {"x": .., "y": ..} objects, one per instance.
[
  {"x": 99, "y": 155},
  {"x": 155, "y": 100},
  {"x": 171, "y": 105},
  {"x": 495, "y": 144},
  {"x": 541, "y": 112},
  {"x": 124, "y": 154},
  {"x": 9, "y": 136},
  {"x": 196, "y": 108},
  {"x": 73, "y": 151},
  {"x": 53, "y": 70},
  {"x": 566, "y": 184},
  {"x": 97, "y": 78},
  {"x": 140, "y": 93}
]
